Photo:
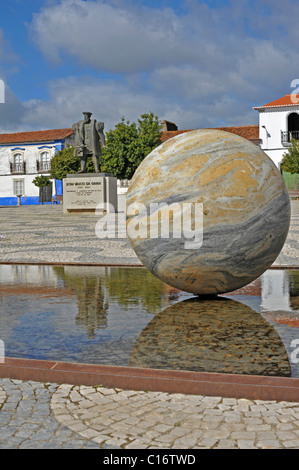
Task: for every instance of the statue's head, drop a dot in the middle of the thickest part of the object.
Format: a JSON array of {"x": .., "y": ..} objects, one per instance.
[{"x": 87, "y": 116}]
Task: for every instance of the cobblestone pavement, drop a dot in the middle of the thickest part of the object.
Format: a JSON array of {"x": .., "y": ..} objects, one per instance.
[
  {"x": 289, "y": 255},
  {"x": 51, "y": 416},
  {"x": 43, "y": 234},
  {"x": 37, "y": 415}
]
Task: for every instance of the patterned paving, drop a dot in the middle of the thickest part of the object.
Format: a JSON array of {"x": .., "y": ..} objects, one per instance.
[
  {"x": 130, "y": 419},
  {"x": 43, "y": 234},
  {"x": 290, "y": 253},
  {"x": 2, "y": 396}
]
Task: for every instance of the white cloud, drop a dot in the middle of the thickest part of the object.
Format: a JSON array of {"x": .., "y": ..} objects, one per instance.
[
  {"x": 12, "y": 110},
  {"x": 106, "y": 36},
  {"x": 108, "y": 101},
  {"x": 206, "y": 67}
]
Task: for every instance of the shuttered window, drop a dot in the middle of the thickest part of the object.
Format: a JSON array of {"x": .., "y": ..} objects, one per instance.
[{"x": 18, "y": 187}]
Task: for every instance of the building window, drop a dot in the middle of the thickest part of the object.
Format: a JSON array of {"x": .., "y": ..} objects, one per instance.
[
  {"x": 18, "y": 187},
  {"x": 292, "y": 129},
  {"x": 293, "y": 125},
  {"x": 44, "y": 162},
  {"x": 17, "y": 164}
]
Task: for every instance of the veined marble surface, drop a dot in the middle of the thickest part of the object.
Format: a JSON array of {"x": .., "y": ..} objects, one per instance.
[{"x": 246, "y": 211}]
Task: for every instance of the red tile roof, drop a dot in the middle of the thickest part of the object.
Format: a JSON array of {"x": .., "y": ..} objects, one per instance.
[
  {"x": 287, "y": 100},
  {"x": 35, "y": 136},
  {"x": 248, "y": 132}
]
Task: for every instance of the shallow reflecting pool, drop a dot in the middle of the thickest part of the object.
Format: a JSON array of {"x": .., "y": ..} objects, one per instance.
[{"x": 127, "y": 317}]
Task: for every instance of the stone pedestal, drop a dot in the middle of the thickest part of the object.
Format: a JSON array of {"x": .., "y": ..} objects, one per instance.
[{"x": 83, "y": 192}]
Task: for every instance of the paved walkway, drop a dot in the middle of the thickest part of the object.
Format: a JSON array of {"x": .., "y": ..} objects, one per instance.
[
  {"x": 48, "y": 415},
  {"x": 289, "y": 255},
  {"x": 45, "y": 415},
  {"x": 43, "y": 234}
]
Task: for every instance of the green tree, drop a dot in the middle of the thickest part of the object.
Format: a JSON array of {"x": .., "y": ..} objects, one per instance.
[
  {"x": 128, "y": 144},
  {"x": 64, "y": 163},
  {"x": 290, "y": 160},
  {"x": 41, "y": 181}
]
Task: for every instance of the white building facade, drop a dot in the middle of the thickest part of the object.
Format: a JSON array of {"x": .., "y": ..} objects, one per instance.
[
  {"x": 278, "y": 123},
  {"x": 23, "y": 156}
]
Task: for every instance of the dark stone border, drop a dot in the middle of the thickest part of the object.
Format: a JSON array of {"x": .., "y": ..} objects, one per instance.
[{"x": 171, "y": 381}]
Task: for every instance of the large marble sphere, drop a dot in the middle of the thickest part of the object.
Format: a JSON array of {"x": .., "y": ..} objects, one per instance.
[{"x": 246, "y": 211}]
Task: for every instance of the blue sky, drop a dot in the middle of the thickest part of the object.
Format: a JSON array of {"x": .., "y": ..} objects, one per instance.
[{"x": 196, "y": 63}]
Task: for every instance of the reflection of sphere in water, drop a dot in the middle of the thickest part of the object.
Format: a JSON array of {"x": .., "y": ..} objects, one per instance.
[
  {"x": 246, "y": 211},
  {"x": 219, "y": 335}
]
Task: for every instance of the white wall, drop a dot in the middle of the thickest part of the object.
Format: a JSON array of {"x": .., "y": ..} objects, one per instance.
[
  {"x": 31, "y": 155},
  {"x": 275, "y": 121}
]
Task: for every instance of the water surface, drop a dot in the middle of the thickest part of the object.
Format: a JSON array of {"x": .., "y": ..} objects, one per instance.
[{"x": 127, "y": 317}]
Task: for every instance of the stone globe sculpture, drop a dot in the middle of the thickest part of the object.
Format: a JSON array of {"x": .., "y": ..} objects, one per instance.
[{"x": 207, "y": 212}]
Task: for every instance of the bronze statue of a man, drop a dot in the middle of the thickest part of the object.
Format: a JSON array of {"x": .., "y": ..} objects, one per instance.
[{"x": 89, "y": 137}]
